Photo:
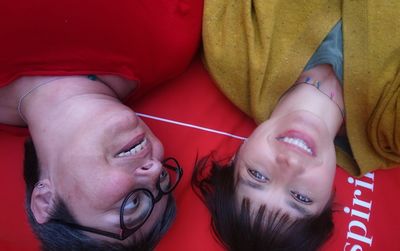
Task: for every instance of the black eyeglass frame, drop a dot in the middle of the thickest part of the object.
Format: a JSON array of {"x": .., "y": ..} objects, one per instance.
[{"x": 126, "y": 232}]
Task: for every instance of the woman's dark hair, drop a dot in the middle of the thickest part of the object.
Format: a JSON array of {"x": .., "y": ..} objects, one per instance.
[
  {"x": 55, "y": 236},
  {"x": 243, "y": 229}
]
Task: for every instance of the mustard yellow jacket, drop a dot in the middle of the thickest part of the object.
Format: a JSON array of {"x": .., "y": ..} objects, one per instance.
[{"x": 256, "y": 49}]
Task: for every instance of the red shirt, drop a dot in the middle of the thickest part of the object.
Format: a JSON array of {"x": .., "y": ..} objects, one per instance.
[{"x": 145, "y": 40}]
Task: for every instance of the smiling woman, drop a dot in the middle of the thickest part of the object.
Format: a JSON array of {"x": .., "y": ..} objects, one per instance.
[
  {"x": 288, "y": 156},
  {"x": 287, "y": 66},
  {"x": 272, "y": 179}
]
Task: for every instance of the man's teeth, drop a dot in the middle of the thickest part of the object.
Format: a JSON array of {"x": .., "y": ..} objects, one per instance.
[
  {"x": 298, "y": 143},
  {"x": 134, "y": 150}
]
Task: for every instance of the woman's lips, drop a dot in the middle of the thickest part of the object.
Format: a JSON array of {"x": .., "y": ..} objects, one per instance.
[{"x": 299, "y": 141}]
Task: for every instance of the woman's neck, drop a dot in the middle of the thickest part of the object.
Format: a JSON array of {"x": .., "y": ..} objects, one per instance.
[{"x": 317, "y": 91}]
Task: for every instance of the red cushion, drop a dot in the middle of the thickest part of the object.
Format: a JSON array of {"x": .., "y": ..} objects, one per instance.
[
  {"x": 372, "y": 221},
  {"x": 149, "y": 41}
]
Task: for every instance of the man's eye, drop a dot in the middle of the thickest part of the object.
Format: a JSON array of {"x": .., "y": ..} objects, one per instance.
[
  {"x": 133, "y": 203},
  {"x": 257, "y": 175},
  {"x": 137, "y": 209},
  {"x": 163, "y": 175},
  {"x": 301, "y": 198}
]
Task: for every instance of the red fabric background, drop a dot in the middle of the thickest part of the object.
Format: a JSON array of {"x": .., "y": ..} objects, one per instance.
[
  {"x": 193, "y": 99},
  {"x": 145, "y": 40}
]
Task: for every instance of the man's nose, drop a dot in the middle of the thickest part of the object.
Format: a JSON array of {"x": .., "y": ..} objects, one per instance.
[
  {"x": 289, "y": 162},
  {"x": 151, "y": 170}
]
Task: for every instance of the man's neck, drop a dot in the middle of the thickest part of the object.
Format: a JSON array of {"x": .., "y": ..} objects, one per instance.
[
  {"x": 54, "y": 112},
  {"x": 15, "y": 97}
]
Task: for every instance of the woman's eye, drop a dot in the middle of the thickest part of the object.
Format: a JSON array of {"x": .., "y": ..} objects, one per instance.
[
  {"x": 257, "y": 175},
  {"x": 301, "y": 198}
]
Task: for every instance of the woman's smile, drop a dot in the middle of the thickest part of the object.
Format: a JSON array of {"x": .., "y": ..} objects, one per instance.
[{"x": 298, "y": 141}]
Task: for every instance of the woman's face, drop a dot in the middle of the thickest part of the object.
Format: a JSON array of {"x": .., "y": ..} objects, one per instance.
[
  {"x": 288, "y": 164},
  {"x": 104, "y": 152}
]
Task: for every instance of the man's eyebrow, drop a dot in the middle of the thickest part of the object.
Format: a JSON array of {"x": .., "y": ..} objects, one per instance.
[{"x": 302, "y": 210}]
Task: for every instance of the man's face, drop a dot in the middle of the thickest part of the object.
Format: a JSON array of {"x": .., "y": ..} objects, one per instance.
[{"x": 103, "y": 153}]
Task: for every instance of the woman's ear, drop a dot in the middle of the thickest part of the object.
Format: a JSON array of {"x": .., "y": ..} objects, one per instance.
[
  {"x": 42, "y": 201},
  {"x": 233, "y": 158}
]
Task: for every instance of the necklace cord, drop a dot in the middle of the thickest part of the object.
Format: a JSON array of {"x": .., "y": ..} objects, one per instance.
[
  {"x": 91, "y": 77},
  {"x": 21, "y": 99},
  {"x": 317, "y": 85}
]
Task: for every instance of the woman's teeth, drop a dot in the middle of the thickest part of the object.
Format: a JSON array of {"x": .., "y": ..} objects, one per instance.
[
  {"x": 297, "y": 143},
  {"x": 134, "y": 150}
]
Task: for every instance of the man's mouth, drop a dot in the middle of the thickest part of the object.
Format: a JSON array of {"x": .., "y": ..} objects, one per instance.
[{"x": 135, "y": 149}]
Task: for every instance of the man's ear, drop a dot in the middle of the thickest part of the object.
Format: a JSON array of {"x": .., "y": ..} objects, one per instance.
[{"x": 42, "y": 201}]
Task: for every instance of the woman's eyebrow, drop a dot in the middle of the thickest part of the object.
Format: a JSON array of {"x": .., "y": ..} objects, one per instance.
[
  {"x": 302, "y": 210},
  {"x": 249, "y": 183}
]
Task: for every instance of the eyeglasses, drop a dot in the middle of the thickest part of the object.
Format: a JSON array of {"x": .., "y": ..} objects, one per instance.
[{"x": 137, "y": 206}]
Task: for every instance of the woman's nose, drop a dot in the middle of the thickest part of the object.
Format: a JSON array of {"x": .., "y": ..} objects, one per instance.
[{"x": 290, "y": 162}]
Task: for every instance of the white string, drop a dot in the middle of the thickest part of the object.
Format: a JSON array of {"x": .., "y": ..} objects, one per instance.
[
  {"x": 190, "y": 125},
  {"x": 139, "y": 114}
]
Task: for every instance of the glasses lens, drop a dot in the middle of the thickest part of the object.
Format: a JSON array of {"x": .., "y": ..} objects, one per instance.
[
  {"x": 169, "y": 177},
  {"x": 137, "y": 209}
]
